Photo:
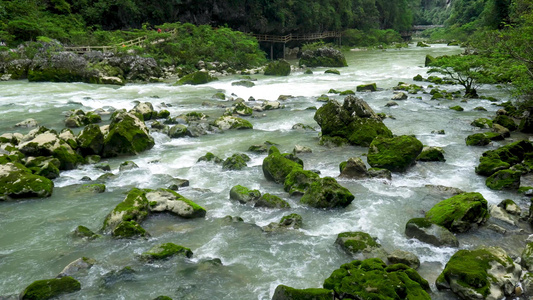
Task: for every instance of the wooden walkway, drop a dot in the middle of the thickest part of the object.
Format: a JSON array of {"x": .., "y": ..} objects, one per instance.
[{"x": 296, "y": 37}]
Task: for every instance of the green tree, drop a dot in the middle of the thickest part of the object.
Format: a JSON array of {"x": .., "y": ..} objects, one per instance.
[{"x": 470, "y": 71}]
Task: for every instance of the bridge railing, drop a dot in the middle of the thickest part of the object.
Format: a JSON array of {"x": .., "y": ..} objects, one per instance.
[{"x": 295, "y": 37}]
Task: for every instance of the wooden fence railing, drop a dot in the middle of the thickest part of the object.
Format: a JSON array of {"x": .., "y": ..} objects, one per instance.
[{"x": 295, "y": 37}]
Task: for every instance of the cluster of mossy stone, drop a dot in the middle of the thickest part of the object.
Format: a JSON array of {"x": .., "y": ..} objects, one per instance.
[
  {"x": 317, "y": 192},
  {"x": 410, "y": 88},
  {"x": 432, "y": 79},
  {"x": 124, "y": 221},
  {"x": 353, "y": 121},
  {"x": 235, "y": 162},
  {"x": 442, "y": 94},
  {"x": 247, "y": 196},
  {"x": 196, "y": 78},
  {"x": 504, "y": 166}
]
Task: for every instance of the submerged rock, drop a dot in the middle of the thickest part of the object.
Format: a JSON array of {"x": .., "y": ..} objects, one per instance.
[
  {"x": 74, "y": 267},
  {"x": 292, "y": 221},
  {"x": 164, "y": 251},
  {"x": 396, "y": 154},
  {"x": 373, "y": 279},
  {"x": 198, "y": 77},
  {"x": 50, "y": 288},
  {"x": 484, "y": 273},
  {"x": 271, "y": 201},
  {"x": 404, "y": 257},
  {"x": 353, "y": 121}
]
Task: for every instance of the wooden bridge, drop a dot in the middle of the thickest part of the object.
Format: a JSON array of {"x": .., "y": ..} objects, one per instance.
[
  {"x": 140, "y": 42},
  {"x": 294, "y": 37}
]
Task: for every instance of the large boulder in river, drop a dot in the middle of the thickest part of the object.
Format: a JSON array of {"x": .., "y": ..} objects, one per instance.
[
  {"x": 354, "y": 167},
  {"x": 50, "y": 288},
  {"x": 48, "y": 143},
  {"x": 327, "y": 193},
  {"x": 396, "y": 154},
  {"x": 373, "y": 279},
  {"x": 323, "y": 57},
  {"x": 166, "y": 250},
  {"x": 134, "y": 207},
  {"x": 144, "y": 109},
  {"x": 198, "y": 77},
  {"x": 298, "y": 181},
  {"x": 127, "y": 135},
  {"x": 423, "y": 230},
  {"x": 459, "y": 213},
  {"x": 504, "y": 180},
  {"x": 166, "y": 200},
  {"x": 17, "y": 181},
  {"x": 278, "y": 68},
  {"x": 284, "y": 292},
  {"x": 91, "y": 140},
  {"x": 230, "y": 122},
  {"x": 276, "y": 166},
  {"x": 359, "y": 243},
  {"x": 243, "y": 194},
  {"x": 353, "y": 121},
  {"x": 484, "y": 273},
  {"x": 503, "y": 158}
]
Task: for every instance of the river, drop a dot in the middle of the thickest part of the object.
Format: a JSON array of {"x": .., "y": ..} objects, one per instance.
[{"x": 36, "y": 239}]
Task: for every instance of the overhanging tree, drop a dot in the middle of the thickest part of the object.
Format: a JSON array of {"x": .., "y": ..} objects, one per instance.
[{"x": 466, "y": 70}]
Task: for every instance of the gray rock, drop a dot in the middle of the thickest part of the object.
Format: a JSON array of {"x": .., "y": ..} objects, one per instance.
[
  {"x": 355, "y": 168},
  {"x": 127, "y": 165},
  {"x": 391, "y": 104},
  {"x": 399, "y": 96},
  {"x": 76, "y": 266},
  {"x": 404, "y": 257},
  {"x": 27, "y": 123},
  {"x": 301, "y": 149},
  {"x": 427, "y": 232}
]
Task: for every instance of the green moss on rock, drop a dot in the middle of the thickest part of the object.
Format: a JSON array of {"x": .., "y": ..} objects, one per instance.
[
  {"x": 431, "y": 154},
  {"x": 396, "y": 154},
  {"x": 230, "y": 122},
  {"x": 503, "y": 158},
  {"x": 50, "y": 288},
  {"x": 277, "y": 167},
  {"x": 127, "y": 135},
  {"x": 297, "y": 182},
  {"x": 356, "y": 242},
  {"x": 243, "y": 194},
  {"x": 327, "y": 193},
  {"x": 284, "y": 292},
  {"x": 506, "y": 122},
  {"x": 460, "y": 212},
  {"x": 372, "y": 279},
  {"x": 199, "y": 77},
  {"x": 17, "y": 181},
  {"x": 504, "y": 180},
  {"x": 271, "y": 201},
  {"x": 165, "y": 251},
  {"x": 371, "y": 87}
]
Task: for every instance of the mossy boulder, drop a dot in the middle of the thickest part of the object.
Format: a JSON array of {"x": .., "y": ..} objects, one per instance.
[
  {"x": 527, "y": 256},
  {"x": 245, "y": 83},
  {"x": 323, "y": 57},
  {"x": 95, "y": 188},
  {"x": 357, "y": 242},
  {"x": 298, "y": 180},
  {"x": 85, "y": 233},
  {"x": 230, "y": 122},
  {"x": 353, "y": 121},
  {"x": 371, "y": 87},
  {"x": 506, "y": 122},
  {"x": 127, "y": 135},
  {"x": 396, "y": 154},
  {"x": 457, "y": 108},
  {"x": 422, "y": 44},
  {"x": 354, "y": 167},
  {"x": 424, "y": 230},
  {"x": 50, "y": 288},
  {"x": 91, "y": 140},
  {"x": 177, "y": 131},
  {"x": 431, "y": 154},
  {"x": 460, "y": 212},
  {"x": 503, "y": 158},
  {"x": 477, "y": 139},
  {"x": 145, "y": 110},
  {"x": 333, "y": 71},
  {"x": 211, "y": 158},
  {"x": 129, "y": 230},
  {"x": 48, "y": 143},
  {"x": 373, "y": 279},
  {"x": 243, "y": 194},
  {"x": 43, "y": 166},
  {"x": 167, "y": 200},
  {"x": 271, "y": 201},
  {"x": 235, "y": 162},
  {"x": 242, "y": 109},
  {"x": 165, "y": 251},
  {"x": 17, "y": 181},
  {"x": 504, "y": 180},
  {"x": 276, "y": 167},
  {"x": 292, "y": 221},
  {"x": 327, "y": 193},
  {"x": 278, "y": 68},
  {"x": 483, "y": 273},
  {"x": 404, "y": 257},
  {"x": 429, "y": 59},
  {"x": 133, "y": 208},
  {"x": 482, "y": 123},
  {"x": 284, "y": 292},
  {"x": 198, "y": 77}
]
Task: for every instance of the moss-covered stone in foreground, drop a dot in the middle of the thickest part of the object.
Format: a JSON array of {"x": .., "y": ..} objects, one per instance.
[
  {"x": 327, "y": 193},
  {"x": 278, "y": 68},
  {"x": 50, "y": 288},
  {"x": 284, "y": 292},
  {"x": 166, "y": 250},
  {"x": 396, "y": 154},
  {"x": 277, "y": 167},
  {"x": 356, "y": 242},
  {"x": 460, "y": 212},
  {"x": 373, "y": 279},
  {"x": 504, "y": 180},
  {"x": 199, "y": 77},
  {"x": 17, "y": 181}
]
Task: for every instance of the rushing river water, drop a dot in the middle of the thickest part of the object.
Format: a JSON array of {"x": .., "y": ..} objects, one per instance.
[{"x": 36, "y": 239}]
